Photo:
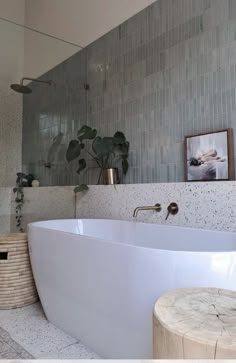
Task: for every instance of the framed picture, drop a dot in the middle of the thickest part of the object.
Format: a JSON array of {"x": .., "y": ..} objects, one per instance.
[{"x": 210, "y": 156}]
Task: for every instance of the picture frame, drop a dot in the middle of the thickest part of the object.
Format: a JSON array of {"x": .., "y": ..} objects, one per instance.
[{"x": 209, "y": 156}]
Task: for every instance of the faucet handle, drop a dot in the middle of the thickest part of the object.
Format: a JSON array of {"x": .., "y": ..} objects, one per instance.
[{"x": 172, "y": 209}]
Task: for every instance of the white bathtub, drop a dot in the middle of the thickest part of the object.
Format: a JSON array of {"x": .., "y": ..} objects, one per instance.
[{"x": 99, "y": 279}]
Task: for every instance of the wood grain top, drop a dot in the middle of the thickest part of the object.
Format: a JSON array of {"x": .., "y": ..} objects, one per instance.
[{"x": 201, "y": 316}]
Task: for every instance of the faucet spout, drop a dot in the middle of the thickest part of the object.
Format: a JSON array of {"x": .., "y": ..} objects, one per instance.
[{"x": 156, "y": 207}]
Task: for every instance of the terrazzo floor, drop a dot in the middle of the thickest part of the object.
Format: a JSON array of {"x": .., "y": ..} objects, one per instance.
[{"x": 25, "y": 333}]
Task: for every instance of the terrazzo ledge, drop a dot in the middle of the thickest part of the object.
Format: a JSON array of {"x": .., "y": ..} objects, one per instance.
[
  {"x": 207, "y": 205},
  {"x": 44, "y": 203}
]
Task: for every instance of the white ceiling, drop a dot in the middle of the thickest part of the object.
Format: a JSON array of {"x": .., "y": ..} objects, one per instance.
[
  {"x": 80, "y": 21},
  {"x": 77, "y": 21}
]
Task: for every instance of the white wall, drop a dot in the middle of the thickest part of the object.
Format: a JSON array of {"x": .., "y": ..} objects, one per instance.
[
  {"x": 77, "y": 21},
  {"x": 13, "y": 10},
  {"x": 80, "y": 21},
  {"x": 11, "y": 70},
  {"x": 43, "y": 53}
]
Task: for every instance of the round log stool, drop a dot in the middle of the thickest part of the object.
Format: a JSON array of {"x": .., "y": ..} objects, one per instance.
[
  {"x": 195, "y": 324},
  {"x": 17, "y": 286}
]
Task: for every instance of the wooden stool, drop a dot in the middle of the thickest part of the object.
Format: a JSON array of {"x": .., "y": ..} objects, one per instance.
[
  {"x": 195, "y": 324},
  {"x": 17, "y": 286}
]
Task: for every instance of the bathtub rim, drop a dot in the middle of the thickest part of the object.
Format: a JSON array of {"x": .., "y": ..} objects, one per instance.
[{"x": 108, "y": 241}]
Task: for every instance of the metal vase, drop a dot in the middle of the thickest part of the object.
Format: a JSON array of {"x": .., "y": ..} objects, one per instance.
[{"x": 110, "y": 176}]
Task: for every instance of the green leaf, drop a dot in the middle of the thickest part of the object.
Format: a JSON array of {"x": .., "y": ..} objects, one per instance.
[
  {"x": 125, "y": 165},
  {"x": 108, "y": 145},
  {"x": 124, "y": 148},
  {"x": 119, "y": 138},
  {"x": 97, "y": 145},
  {"x": 103, "y": 149},
  {"x": 82, "y": 165},
  {"x": 73, "y": 151},
  {"x": 86, "y": 133},
  {"x": 102, "y": 146},
  {"x": 81, "y": 188},
  {"x": 121, "y": 144}
]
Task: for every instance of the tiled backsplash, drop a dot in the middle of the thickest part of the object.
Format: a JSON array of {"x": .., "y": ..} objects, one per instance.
[{"x": 167, "y": 72}]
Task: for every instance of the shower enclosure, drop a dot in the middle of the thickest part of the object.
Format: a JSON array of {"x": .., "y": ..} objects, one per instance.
[{"x": 36, "y": 92}]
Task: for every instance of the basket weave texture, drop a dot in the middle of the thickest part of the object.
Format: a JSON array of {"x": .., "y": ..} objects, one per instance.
[{"x": 17, "y": 287}]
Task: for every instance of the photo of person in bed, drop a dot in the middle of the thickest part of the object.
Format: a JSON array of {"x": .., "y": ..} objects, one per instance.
[{"x": 208, "y": 157}]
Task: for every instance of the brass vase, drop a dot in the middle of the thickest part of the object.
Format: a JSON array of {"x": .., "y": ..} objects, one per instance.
[{"x": 110, "y": 176}]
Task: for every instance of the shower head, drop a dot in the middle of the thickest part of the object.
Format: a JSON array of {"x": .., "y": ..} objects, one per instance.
[{"x": 21, "y": 88}]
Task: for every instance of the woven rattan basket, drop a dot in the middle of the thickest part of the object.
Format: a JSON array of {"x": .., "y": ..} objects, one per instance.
[{"x": 17, "y": 286}]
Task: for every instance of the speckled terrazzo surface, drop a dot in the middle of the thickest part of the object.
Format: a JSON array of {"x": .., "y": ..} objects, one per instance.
[
  {"x": 41, "y": 203},
  {"x": 5, "y": 209},
  {"x": 45, "y": 203},
  {"x": 25, "y": 333},
  {"x": 9, "y": 349},
  {"x": 11, "y": 109},
  {"x": 209, "y": 205}
]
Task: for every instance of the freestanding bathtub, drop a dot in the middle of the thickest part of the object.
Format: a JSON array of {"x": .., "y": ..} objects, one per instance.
[{"x": 99, "y": 279}]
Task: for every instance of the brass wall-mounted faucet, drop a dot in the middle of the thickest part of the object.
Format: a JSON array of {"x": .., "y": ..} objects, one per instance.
[{"x": 156, "y": 207}]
